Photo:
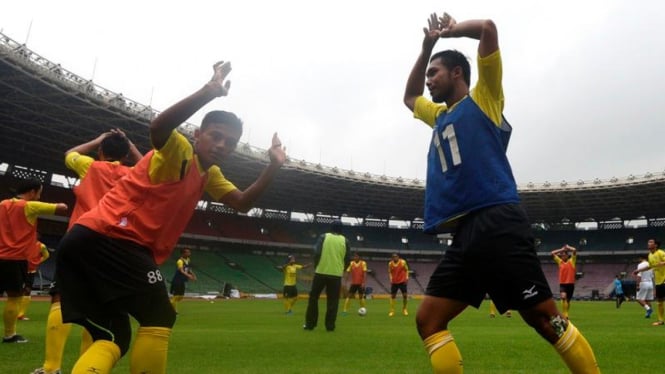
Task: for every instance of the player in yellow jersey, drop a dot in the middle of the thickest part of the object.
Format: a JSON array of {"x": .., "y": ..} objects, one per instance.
[
  {"x": 290, "y": 291},
  {"x": 657, "y": 263}
]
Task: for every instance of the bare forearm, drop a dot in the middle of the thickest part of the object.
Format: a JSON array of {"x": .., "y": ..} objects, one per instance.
[
  {"x": 134, "y": 154},
  {"x": 415, "y": 85},
  {"x": 86, "y": 148},
  {"x": 468, "y": 29},
  {"x": 162, "y": 126},
  {"x": 253, "y": 192}
]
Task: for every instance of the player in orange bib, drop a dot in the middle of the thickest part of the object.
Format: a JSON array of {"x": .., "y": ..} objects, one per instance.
[{"x": 108, "y": 265}]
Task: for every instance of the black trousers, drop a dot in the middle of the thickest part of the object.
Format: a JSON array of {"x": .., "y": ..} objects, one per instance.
[{"x": 333, "y": 286}]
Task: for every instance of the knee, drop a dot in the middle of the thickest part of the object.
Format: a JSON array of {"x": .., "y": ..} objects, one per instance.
[{"x": 427, "y": 325}]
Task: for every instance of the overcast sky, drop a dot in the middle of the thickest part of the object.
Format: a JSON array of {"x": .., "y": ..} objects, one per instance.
[{"x": 583, "y": 80}]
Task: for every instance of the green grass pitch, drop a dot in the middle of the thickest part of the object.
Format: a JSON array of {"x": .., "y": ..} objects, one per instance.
[{"x": 255, "y": 336}]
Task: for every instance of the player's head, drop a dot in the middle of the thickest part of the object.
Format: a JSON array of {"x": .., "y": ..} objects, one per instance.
[
  {"x": 356, "y": 256},
  {"x": 113, "y": 147},
  {"x": 185, "y": 253},
  {"x": 395, "y": 257},
  {"x": 29, "y": 189},
  {"x": 291, "y": 259},
  {"x": 564, "y": 255},
  {"x": 653, "y": 244},
  {"x": 217, "y": 137},
  {"x": 446, "y": 72},
  {"x": 336, "y": 226}
]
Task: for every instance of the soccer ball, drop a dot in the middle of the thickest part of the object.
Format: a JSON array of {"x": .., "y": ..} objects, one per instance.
[{"x": 362, "y": 311}]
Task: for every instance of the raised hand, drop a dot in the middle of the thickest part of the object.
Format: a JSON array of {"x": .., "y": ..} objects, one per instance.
[
  {"x": 277, "y": 152},
  {"x": 446, "y": 25},
  {"x": 432, "y": 31},
  {"x": 221, "y": 70}
]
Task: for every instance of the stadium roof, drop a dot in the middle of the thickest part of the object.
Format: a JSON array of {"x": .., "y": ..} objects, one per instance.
[{"x": 45, "y": 110}]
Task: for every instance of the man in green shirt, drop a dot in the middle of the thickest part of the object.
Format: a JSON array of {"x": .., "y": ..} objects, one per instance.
[{"x": 330, "y": 255}]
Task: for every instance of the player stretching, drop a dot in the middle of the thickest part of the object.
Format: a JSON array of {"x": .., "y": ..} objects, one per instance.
[
  {"x": 107, "y": 266},
  {"x": 471, "y": 190}
]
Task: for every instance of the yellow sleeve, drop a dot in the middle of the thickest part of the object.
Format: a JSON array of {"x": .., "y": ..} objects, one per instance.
[
  {"x": 557, "y": 259},
  {"x": 44, "y": 252},
  {"x": 427, "y": 111},
  {"x": 33, "y": 209},
  {"x": 573, "y": 259},
  {"x": 78, "y": 163},
  {"x": 218, "y": 185},
  {"x": 179, "y": 264},
  {"x": 166, "y": 165},
  {"x": 364, "y": 266},
  {"x": 488, "y": 93},
  {"x": 298, "y": 266}
]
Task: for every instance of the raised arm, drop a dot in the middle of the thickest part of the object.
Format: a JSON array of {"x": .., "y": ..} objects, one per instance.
[
  {"x": 162, "y": 126},
  {"x": 415, "y": 84},
  {"x": 483, "y": 30},
  {"x": 572, "y": 249},
  {"x": 244, "y": 200},
  {"x": 557, "y": 251},
  {"x": 134, "y": 154},
  {"x": 90, "y": 146}
]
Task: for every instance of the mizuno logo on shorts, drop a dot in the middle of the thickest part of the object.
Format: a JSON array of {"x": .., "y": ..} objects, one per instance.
[{"x": 530, "y": 292}]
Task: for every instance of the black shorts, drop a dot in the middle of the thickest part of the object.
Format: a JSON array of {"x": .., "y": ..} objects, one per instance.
[
  {"x": 178, "y": 288},
  {"x": 93, "y": 271},
  {"x": 13, "y": 276},
  {"x": 356, "y": 288},
  {"x": 660, "y": 291},
  {"x": 394, "y": 287},
  {"x": 290, "y": 291},
  {"x": 493, "y": 252},
  {"x": 568, "y": 288}
]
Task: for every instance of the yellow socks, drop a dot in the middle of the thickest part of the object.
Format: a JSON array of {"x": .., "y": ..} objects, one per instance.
[
  {"x": 56, "y": 337},
  {"x": 175, "y": 300},
  {"x": 362, "y": 301},
  {"x": 99, "y": 358},
  {"x": 564, "y": 307},
  {"x": 392, "y": 306},
  {"x": 9, "y": 315},
  {"x": 443, "y": 353},
  {"x": 576, "y": 352},
  {"x": 25, "y": 301},
  {"x": 660, "y": 311},
  {"x": 150, "y": 349},
  {"x": 346, "y": 305}
]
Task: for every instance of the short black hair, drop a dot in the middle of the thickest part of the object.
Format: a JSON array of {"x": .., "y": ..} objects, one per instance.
[
  {"x": 336, "y": 226},
  {"x": 27, "y": 185},
  {"x": 115, "y": 147},
  {"x": 452, "y": 58},
  {"x": 221, "y": 117}
]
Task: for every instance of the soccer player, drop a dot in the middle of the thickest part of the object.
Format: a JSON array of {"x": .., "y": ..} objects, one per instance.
[
  {"x": 357, "y": 271},
  {"x": 18, "y": 235},
  {"x": 39, "y": 254},
  {"x": 618, "y": 291},
  {"x": 398, "y": 272},
  {"x": 471, "y": 190},
  {"x": 657, "y": 263},
  {"x": 96, "y": 178},
  {"x": 567, "y": 265},
  {"x": 183, "y": 274},
  {"x": 107, "y": 266},
  {"x": 644, "y": 286},
  {"x": 290, "y": 291},
  {"x": 330, "y": 254}
]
